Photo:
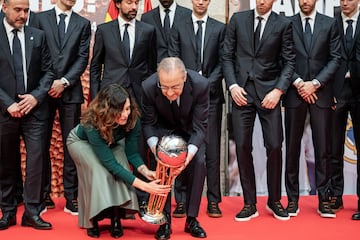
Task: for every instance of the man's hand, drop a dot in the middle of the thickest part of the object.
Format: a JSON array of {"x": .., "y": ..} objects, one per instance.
[
  {"x": 306, "y": 90},
  {"x": 271, "y": 99},
  {"x": 15, "y": 111},
  {"x": 56, "y": 89},
  {"x": 238, "y": 94},
  {"x": 27, "y": 103}
]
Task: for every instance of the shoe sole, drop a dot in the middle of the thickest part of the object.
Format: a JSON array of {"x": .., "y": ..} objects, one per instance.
[
  {"x": 326, "y": 215},
  {"x": 179, "y": 215},
  {"x": 295, "y": 213},
  {"x": 38, "y": 228},
  {"x": 69, "y": 211},
  {"x": 277, "y": 216},
  {"x": 335, "y": 210},
  {"x": 214, "y": 215},
  {"x": 50, "y": 206},
  {"x": 256, "y": 214}
]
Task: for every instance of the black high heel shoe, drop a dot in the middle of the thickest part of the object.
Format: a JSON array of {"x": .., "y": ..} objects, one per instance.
[
  {"x": 116, "y": 230},
  {"x": 94, "y": 232}
]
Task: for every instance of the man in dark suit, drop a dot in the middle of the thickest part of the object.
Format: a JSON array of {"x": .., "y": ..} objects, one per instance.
[
  {"x": 70, "y": 55},
  {"x": 317, "y": 59},
  {"x": 26, "y": 77},
  {"x": 176, "y": 101},
  {"x": 124, "y": 60},
  {"x": 259, "y": 61},
  {"x": 200, "y": 48},
  {"x": 157, "y": 16},
  {"x": 344, "y": 87}
]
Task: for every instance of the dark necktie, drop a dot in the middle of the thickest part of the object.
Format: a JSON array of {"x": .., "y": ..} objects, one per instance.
[
  {"x": 199, "y": 44},
  {"x": 61, "y": 28},
  {"x": 257, "y": 32},
  {"x": 307, "y": 34},
  {"x": 126, "y": 42},
  {"x": 175, "y": 110},
  {"x": 349, "y": 35},
  {"x": 18, "y": 64},
  {"x": 166, "y": 21}
]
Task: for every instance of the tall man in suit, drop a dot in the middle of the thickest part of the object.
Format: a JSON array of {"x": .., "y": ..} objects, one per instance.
[
  {"x": 163, "y": 23},
  {"x": 26, "y": 77},
  {"x": 317, "y": 59},
  {"x": 68, "y": 38},
  {"x": 344, "y": 87},
  {"x": 124, "y": 60},
  {"x": 259, "y": 61},
  {"x": 176, "y": 101},
  {"x": 198, "y": 42}
]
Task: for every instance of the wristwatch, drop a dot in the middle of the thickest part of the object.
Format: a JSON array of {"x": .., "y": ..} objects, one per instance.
[
  {"x": 316, "y": 83},
  {"x": 64, "y": 82}
]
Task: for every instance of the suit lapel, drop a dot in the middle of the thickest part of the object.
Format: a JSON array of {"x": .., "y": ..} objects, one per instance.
[
  {"x": 138, "y": 36},
  {"x": 52, "y": 18},
  {"x": 29, "y": 41},
  {"x": 71, "y": 27},
  {"x": 356, "y": 34},
  {"x": 5, "y": 47},
  {"x": 250, "y": 28},
  {"x": 317, "y": 29},
  {"x": 268, "y": 28},
  {"x": 208, "y": 32},
  {"x": 297, "y": 26},
  {"x": 190, "y": 31},
  {"x": 157, "y": 21},
  {"x": 115, "y": 29},
  {"x": 186, "y": 99}
]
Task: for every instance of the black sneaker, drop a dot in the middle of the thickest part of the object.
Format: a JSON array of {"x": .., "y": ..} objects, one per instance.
[
  {"x": 336, "y": 204},
  {"x": 213, "y": 210},
  {"x": 71, "y": 207},
  {"x": 293, "y": 209},
  {"x": 49, "y": 203},
  {"x": 248, "y": 212},
  {"x": 179, "y": 211},
  {"x": 277, "y": 210},
  {"x": 325, "y": 211}
]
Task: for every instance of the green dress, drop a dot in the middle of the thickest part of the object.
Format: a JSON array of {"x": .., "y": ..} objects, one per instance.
[{"x": 103, "y": 170}]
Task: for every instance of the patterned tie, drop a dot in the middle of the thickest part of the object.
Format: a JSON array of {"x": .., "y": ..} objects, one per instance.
[
  {"x": 199, "y": 44},
  {"x": 126, "y": 42},
  {"x": 349, "y": 35},
  {"x": 307, "y": 34},
  {"x": 257, "y": 32},
  {"x": 61, "y": 28},
  {"x": 18, "y": 64}
]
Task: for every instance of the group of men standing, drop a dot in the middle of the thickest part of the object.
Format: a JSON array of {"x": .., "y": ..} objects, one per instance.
[{"x": 309, "y": 63}]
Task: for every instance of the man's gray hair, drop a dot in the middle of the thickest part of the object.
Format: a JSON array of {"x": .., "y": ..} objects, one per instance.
[{"x": 170, "y": 64}]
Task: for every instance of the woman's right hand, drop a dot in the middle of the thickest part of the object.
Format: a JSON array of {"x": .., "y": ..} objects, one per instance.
[{"x": 154, "y": 187}]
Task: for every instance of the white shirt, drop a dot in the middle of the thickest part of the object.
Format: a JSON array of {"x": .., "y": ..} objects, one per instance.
[
  {"x": 58, "y": 11},
  {"x": 196, "y": 26},
  {"x": 131, "y": 31},
  {"x": 264, "y": 20},
  {"x": 172, "y": 9}
]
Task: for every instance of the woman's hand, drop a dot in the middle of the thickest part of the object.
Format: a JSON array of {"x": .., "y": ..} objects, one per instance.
[{"x": 150, "y": 175}]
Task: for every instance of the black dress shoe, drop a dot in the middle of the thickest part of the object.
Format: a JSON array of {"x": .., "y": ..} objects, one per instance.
[
  {"x": 36, "y": 222},
  {"x": 356, "y": 216},
  {"x": 193, "y": 227},
  {"x": 8, "y": 219},
  {"x": 163, "y": 232},
  {"x": 116, "y": 230},
  {"x": 94, "y": 232}
]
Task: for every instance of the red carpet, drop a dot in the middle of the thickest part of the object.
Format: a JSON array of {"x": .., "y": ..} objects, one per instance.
[{"x": 308, "y": 225}]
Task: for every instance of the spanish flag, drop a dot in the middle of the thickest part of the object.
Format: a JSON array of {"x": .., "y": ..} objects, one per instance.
[
  {"x": 147, "y": 6},
  {"x": 112, "y": 12}
]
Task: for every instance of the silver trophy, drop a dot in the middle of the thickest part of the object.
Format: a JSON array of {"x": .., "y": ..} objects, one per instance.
[{"x": 171, "y": 154}]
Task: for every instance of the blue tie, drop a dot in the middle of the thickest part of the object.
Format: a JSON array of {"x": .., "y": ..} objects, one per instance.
[
  {"x": 167, "y": 21},
  {"x": 307, "y": 34},
  {"x": 61, "y": 28},
  {"x": 199, "y": 44},
  {"x": 257, "y": 32},
  {"x": 18, "y": 64},
  {"x": 349, "y": 35}
]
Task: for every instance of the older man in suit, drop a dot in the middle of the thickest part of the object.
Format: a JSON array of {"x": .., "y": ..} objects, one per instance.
[
  {"x": 317, "y": 47},
  {"x": 68, "y": 38},
  {"x": 198, "y": 42},
  {"x": 26, "y": 77},
  {"x": 176, "y": 101},
  {"x": 259, "y": 61},
  {"x": 124, "y": 51},
  {"x": 164, "y": 17}
]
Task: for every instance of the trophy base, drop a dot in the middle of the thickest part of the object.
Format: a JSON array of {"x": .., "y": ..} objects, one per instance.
[{"x": 156, "y": 219}]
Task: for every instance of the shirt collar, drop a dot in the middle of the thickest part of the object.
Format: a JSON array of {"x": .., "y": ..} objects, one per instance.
[
  {"x": 9, "y": 28},
  {"x": 59, "y": 11},
  {"x": 195, "y": 19},
  {"x": 172, "y": 7},
  {"x": 265, "y": 16},
  {"x": 354, "y": 17},
  {"x": 122, "y": 22},
  {"x": 311, "y": 16}
]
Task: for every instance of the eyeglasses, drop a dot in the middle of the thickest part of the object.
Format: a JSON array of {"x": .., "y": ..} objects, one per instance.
[{"x": 174, "y": 88}]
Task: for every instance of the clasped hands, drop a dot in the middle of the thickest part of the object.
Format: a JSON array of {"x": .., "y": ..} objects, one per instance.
[
  {"x": 23, "y": 107},
  {"x": 307, "y": 91}
]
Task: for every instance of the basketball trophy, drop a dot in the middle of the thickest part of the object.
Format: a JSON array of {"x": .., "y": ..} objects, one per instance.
[{"x": 171, "y": 152}]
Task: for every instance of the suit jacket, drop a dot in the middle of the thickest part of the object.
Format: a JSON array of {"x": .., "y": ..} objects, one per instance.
[
  {"x": 38, "y": 67},
  {"x": 272, "y": 63},
  {"x": 320, "y": 63},
  {"x": 153, "y": 17},
  {"x": 158, "y": 119},
  {"x": 348, "y": 60},
  {"x": 109, "y": 63},
  {"x": 70, "y": 59},
  {"x": 182, "y": 44}
]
